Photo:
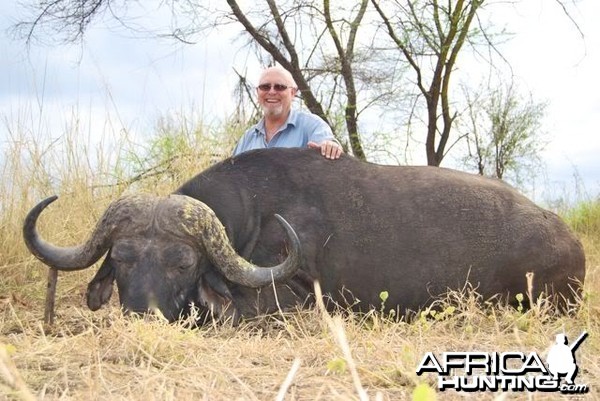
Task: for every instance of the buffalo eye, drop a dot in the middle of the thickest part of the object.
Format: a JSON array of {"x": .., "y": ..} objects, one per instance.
[
  {"x": 185, "y": 266},
  {"x": 124, "y": 253},
  {"x": 181, "y": 257},
  {"x": 186, "y": 263}
]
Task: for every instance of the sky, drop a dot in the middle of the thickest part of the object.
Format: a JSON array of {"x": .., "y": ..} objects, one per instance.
[
  {"x": 117, "y": 80},
  {"x": 551, "y": 58}
]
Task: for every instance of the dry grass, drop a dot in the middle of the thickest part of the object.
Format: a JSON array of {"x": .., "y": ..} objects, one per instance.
[
  {"x": 103, "y": 355},
  {"x": 305, "y": 355}
]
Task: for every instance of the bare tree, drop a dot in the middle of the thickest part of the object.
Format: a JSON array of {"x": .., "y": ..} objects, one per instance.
[
  {"x": 273, "y": 31},
  {"x": 316, "y": 40},
  {"x": 346, "y": 56},
  {"x": 478, "y": 153},
  {"x": 335, "y": 50},
  {"x": 68, "y": 18},
  {"x": 505, "y": 136},
  {"x": 429, "y": 33}
]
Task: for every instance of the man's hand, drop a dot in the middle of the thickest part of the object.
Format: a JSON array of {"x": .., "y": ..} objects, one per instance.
[{"x": 329, "y": 149}]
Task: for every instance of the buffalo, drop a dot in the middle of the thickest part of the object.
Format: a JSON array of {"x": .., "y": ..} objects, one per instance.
[{"x": 251, "y": 234}]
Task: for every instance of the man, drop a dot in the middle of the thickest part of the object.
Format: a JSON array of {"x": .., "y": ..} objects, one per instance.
[{"x": 282, "y": 126}]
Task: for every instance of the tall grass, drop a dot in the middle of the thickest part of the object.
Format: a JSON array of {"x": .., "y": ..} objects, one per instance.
[
  {"x": 584, "y": 218},
  {"x": 303, "y": 355}
]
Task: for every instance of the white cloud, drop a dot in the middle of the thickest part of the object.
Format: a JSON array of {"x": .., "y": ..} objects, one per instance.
[
  {"x": 558, "y": 64},
  {"x": 132, "y": 81}
]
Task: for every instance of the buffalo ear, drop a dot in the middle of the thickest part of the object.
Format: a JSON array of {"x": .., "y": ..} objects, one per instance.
[
  {"x": 100, "y": 288},
  {"x": 216, "y": 298}
]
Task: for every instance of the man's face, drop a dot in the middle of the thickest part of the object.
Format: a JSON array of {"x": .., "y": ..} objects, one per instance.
[{"x": 274, "y": 100}]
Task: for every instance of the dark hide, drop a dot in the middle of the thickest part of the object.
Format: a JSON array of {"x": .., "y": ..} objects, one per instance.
[{"x": 414, "y": 232}]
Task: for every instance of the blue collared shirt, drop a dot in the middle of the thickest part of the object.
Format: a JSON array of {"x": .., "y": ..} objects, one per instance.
[{"x": 300, "y": 128}]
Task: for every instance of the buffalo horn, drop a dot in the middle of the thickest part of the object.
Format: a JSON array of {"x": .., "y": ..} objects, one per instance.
[
  {"x": 68, "y": 258},
  {"x": 200, "y": 221}
]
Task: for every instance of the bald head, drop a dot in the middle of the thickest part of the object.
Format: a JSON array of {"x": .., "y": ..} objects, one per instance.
[
  {"x": 278, "y": 72},
  {"x": 276, "y": 90}
]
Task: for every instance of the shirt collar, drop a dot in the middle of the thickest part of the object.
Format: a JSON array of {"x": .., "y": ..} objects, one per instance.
[{"x": 292, "y": 120}]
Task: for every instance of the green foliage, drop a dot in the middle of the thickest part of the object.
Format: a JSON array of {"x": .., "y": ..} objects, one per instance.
[
  {"x": 337, "y": 366},
  {"x": 9, "y": 349},
  {"x": 520, "y": 298},
  {"x": 423, "y": 392},
  {"x": 504, "y": 137},
  {"x": 179, "y": 148},
  {"x": 584, "y": 218},
  {"x": 521, "y": 320},
  {"x": 437, "y": 315},
  {"x": 384, "y": 295}
]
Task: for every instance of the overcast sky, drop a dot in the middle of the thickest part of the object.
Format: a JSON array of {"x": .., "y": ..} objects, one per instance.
[{"x": 113, "y": 80}]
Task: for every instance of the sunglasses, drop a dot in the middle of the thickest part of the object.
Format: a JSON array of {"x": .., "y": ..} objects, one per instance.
[{"x": 277, "y": 87}]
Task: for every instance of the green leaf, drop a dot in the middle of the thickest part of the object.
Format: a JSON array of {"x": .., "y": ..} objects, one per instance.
[
  {"x": 424, "y": 393},
  {"x": 9, "y": 348},
  {"x": 337, "y": 365}
]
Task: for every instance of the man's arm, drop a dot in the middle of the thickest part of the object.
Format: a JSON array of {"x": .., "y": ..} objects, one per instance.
[
  {"x": 322, "y": 138},
  {"x": 329, "y": 149}
]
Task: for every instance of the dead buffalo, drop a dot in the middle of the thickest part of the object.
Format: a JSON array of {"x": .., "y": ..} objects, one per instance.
[{"x": 361, "y": 228}]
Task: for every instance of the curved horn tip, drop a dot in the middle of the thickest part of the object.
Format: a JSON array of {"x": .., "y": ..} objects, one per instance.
[
  {"x": 234, "y": 267},
  {"x": 288, "y": 227},
  {"x": 295, "y": 248},
  {"x": 48, "y": 201},
  {"x": 37, "y": 209},
  {"x": 60, "y": 258}
]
